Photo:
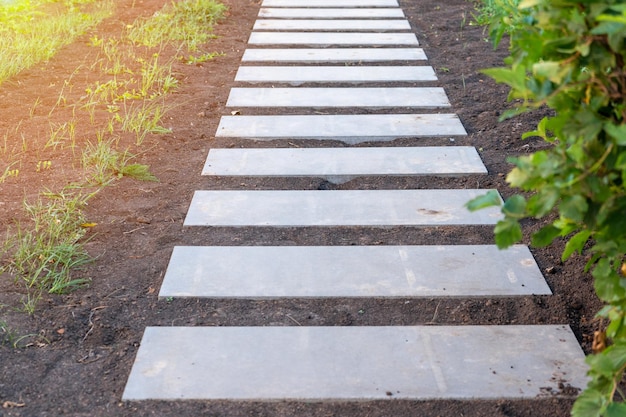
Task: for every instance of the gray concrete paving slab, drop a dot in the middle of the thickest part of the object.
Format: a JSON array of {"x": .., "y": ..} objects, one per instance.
[
  {"x": 329, "y": 13},
  {"x": 347, "y": 128},
  {"x": 334, "y": 55},
  {"x": 331, "y": 24},
  {"x": 420, "y": 97},
  {"x": 329, "y": 3},
  {"x": 327, "y": 74},
  {"x": 355, "y": 363},
  {"x": 327, "y": 39},
  {"x": 335, "y": 163},
  {"x": 257, "y": 272},
  {"x": 337, "y": 208}
]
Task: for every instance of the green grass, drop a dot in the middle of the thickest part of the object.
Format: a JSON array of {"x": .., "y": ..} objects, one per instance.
[
  {"x": 187, "y": 23},
  {"x": 488, "y": 10},
  {"x": 142, "y": 118},
  {"x": 45, "y": 253},
  {"x": 13, "y": 338},
  {"x": 33, "y": 31},
  {"x": 104, "y": 164}
]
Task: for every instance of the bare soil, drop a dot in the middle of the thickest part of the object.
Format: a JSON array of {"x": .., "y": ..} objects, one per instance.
[{"x": 93, "y": 334}]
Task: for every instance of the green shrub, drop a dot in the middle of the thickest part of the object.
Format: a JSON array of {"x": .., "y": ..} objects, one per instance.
[
  {"x": 501, "y": 11},
  {"x": 571, "y": 57}
]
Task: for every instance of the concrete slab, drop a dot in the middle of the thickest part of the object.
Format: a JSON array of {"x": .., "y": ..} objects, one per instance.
[
  {"x": 331, "y": 24},
  {"x": 339, "y": 55},
  {"x": 325, "y": 38},
  {"x": 329, "y": 13},
  {"x": 329, "y": 3},
  {"x": 337, "y": 208},
  {"x": 421, "y": 97},
  {"x": 355, "y": 363},
  {"x": 328, "y": 74},
  {"x": 337, "y": 163},
  {"x": 347, "y": 128},
  {"x": 256, "y": 272}
]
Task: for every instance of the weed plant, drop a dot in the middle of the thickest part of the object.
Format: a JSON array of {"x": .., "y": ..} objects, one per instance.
[
  {"x": 187, "y": 23},
  {"x": 29, "y": 36},
  {"x": 45, "y": 254},
  {"x": 126, "y": 104},
  {"x": 12, "y": 337},
  {"x": 142, "y": 118},
  {"x": 106, "y": 164},
  {"x": 505, "y": 11}
]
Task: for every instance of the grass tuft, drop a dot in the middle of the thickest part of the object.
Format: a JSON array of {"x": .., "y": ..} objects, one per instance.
[
  {"x": 45, "y": 255},
  {"x": 28, "y": 35},
  {"x": 188, "y": 23}
]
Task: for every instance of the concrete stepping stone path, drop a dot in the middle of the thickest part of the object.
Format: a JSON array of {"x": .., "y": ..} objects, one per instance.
[
  {"x": 335, "y": 38},
  {"x": 337, "y": 55},
  {"x": 319, "y": 37},
  {"x": 337, "y": 208},
  {"x": 354, "y": 363},
  {"x": 371, "y": 25},
  {"x": 253, "y": 272},
  {"x": 423, "y": 97},
  {"x": 330, "y": 3},
  {"x": 329, "y": 13},
  {"x": 328, "y": 74},
  {"x": 344, "y": 163},
  {"x": 346, "y": 128}
]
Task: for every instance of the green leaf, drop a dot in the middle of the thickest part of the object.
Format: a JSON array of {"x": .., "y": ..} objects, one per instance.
[
  {"x": 574, "y": 207},
  {"x": 525, "y": 4},
  {"x": 507, "y": 232},
  {"x": 514, "y": 77},
  {"x": 491, "y": 198},
  {"x": 616, "y": 410},
  {"x": 543, "y": 202},
  {"x": 617, "y": 132},
  {"x": 614, "y": 327},
  {"x": 545, "y": 236},
  {"x": 541, "y": 131},
  {"x": 607, "y": 282},
  {"x": 589, "y": 404},
  {"x": 515, "y": 207},
  {"x": 576, "y": 244},
  {"x": 614, "y": 32},
  {"x": 517, "y": 177},
  {"x": 555, "y": 71}
]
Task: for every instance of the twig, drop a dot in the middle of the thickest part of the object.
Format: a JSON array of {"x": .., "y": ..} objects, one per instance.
[
  {"x": 435, "y": 314},
  {"x": 294, "y": 320},
  {"x": 93, "y": 311}
]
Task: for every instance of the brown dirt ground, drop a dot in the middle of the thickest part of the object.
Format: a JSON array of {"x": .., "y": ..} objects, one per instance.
[{"x": 94, "y": 332}]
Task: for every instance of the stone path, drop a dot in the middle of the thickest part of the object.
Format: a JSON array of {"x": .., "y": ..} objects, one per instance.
[
  {"x": 323, "y": 74},
  {"x": 345, "y": 164},
  {"x": 346, "y": 363}
]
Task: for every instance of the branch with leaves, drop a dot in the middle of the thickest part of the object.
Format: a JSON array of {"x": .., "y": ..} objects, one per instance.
[{"x": 570, "y": 56}]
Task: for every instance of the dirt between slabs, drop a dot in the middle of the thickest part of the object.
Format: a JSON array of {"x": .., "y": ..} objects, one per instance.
[{"x": 92, "y": 335}]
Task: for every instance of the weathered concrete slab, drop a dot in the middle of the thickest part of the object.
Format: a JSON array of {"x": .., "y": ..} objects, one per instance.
[
  {"x": 334, "y": 55},
  {"x": 355, "y": 363},
  {"x": 351, "y": 271},
  {"x": 346, "y": 74},
  {"x": 329, "y": 3},
  {"x": 329, "y": 13},
  {"x": 325, "y": 38},
  {"x": 331, "y": 24},
  {"x": 337, "y": 163},
  {"x": 337, "y": 208},
  {"x": 348, "y": 128},
  {"x": 421, "y": 97}
]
